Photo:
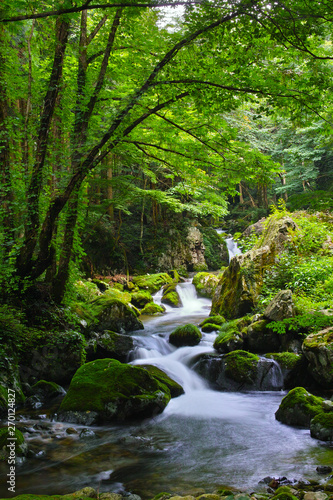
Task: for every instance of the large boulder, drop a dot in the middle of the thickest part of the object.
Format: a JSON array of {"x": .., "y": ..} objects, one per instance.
[
  {"x": 321, "y": 426},
  {"x": 109, "y": 345},
  {"x": 205, "y": 284},
  {"x": 114, "y": 314},
  {"x": 106, "y": 390},
  {"x": 318, "y": 349},
  {"x": 152, "y": 309},
  {"x": 140, "y": 298},
  {"x": 280, "y": 307},
  {"x": 185, "y": 335},
  {"x": 173, "y": 386},
  {"x": 239, "y": 287},
  {"x": 261, "y": 339},
  {"x": 299, "y": 407},
  {"x": 240, "y": 371}
]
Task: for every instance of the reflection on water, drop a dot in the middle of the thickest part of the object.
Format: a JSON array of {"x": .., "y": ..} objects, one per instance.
[{"x": 203, "y": 439}]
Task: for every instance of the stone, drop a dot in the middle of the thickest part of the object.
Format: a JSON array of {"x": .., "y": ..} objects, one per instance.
[
  {"x": 152, "y": 309},
  {"x": 321, "y": 426},
  {"x": 113, "y": 314},
  {"x": 152, "y": 282},
  {"x": 141, "y": 298},
  {"x": 256, "y": 228},
  {"x": 185, "y": 335},
  {"x": 318, "y": 350},
  {"x": 85, "y": 492},
  {"x": 298, "y": 407},
  {"x": 21, "y": 447},
  {"x": 324, "y": 469},
  {"x": 315, "y": 495},
  {"x": 171, "y": 296},
  {"x": 109, "y": 345},
  {"x": 205, "y": 284},
  {"x": 261, "y": 339},
  {"x": 280, "y": 307},
  {"x": 112, "y": 391}
]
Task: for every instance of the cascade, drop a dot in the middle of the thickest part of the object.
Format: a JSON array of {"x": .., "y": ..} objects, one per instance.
[{"x": 231, "y": 245}]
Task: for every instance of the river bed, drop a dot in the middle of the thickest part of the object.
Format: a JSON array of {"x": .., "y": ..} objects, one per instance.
[{"x": 204, "y": 439}]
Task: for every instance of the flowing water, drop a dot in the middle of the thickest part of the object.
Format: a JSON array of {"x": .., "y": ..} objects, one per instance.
[{"x": 203, "y": 439}]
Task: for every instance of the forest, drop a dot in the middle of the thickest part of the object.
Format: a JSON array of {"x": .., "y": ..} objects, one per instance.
[{"x": 166, "y": 249}]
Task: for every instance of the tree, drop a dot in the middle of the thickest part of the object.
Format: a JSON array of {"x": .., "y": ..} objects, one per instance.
[{"x": 110, "y": 79}]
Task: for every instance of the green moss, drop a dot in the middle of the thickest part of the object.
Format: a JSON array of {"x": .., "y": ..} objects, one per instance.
[
  {"x": 224, "y": 340},
  {"x": 141, "y": 298},
  {"x": 324, "y": 420},
  {"x": 175, "y": 388},
  {"x": 102, "y": 381},
  {"x": 241, "y": 366},
  {"x": 170, "y": 296},
  {"x": 216, "y": 320},
  {"x": 284, "y": 496},
  {"x": 210, "y": 327},
  {"x": 298, "y": 407},
  {"x": 152, "y": 282},
  {"x": 152, "y": 309},
  {"x": 285, "y": 359},
  {"x": 185, "y": 335},
  {"x": 4, "y": 436},
  {"x": 205, "y": 284}
]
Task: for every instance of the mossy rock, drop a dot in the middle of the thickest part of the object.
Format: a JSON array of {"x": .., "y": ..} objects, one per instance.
[
  {"x": 298, "y": 407},
  {"x": 152, "y": 309},
  {"x": 321, "y": 426},
  {"x": 210, "y": 327},
  {"x": 287, "y": 360},
  {"x": 141, "y": 298},
  {"x": 171, "y": 296},
  {"x": 241, "y": 366},
  {"x": 10, "y": 378},
  {"x": 228, "y": 341},
  {"x": 215, "y": 320},
  {"x": 7, "y": 438},
  {"x": 109, "y": 345},
  {"x": 113, "y": 391},
  {"x": 185, "y": 335},
  {"x": 284, "y": 495},
  {"x": 261, "y": 339},
  {"x": 115, "y": 315},
  {"x": 318, "y": 349},
  {"x": 205, "y": 284},
  {"x": 152, "y": 282},
  {"x": 173, "y": 386}
]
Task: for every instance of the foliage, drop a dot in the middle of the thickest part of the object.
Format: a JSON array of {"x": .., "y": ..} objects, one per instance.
[
  {"x": 305, "y": 323},
  {"x": 314, "y": 200}
]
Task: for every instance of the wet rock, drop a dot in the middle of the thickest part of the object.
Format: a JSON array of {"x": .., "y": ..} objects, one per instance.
[
  {"x": 109, "y": 345},
  {"x": 171, "y": 296},
  {"x": 318, "y": 349},
  {"x": 111, "y": 496},
  {"x": 141, "y": 298},
  {"x": 315, "y": 495},
  {"x": 152, "y": 282},
  {"x": 173, "y": 386},
  {"x": 261, "y": 339},
  {"x": 113, "y": 391},
  {"x": 87, "y": 434},
  {"x": 280, "y": 307},
  {"x": 321, "y": 426},
  {"x": 152, "y": 309},
  {"x": 18, "y": 441},
  {"x": 114, "y": 314},
  {"x": 185, "y": 335},
  {"x": 298, "y": 407},
  {"x": 324, "y": 469},
  {"x": 205, "y": 284},
  {"x": 85, "y": 492}
]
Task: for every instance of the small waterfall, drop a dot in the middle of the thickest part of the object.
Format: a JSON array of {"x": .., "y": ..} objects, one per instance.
[
  {"x": 271, "y": 377},
  {"x": 232, "y": 248}
]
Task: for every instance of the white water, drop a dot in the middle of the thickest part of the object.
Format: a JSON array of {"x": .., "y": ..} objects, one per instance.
[{"x": 231, "y": 245}]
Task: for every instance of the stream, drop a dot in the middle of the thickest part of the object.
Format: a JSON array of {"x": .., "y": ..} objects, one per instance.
[{"x": 204, "y": 439}]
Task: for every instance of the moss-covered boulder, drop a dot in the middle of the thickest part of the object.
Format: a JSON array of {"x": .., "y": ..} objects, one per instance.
[
  {"x": 210, "y": 327},
  {"x": 141, "y": 298},
  {"x": 298, "y": 407},
  {"x": 239, "y": 287},
  {"x": 42, "y": 393},
  {"x": 185, "y": 335},
  {"x": 109, "y": 345},
  {"x": 152, "y": 309},
  {"x": 318, "y": 350},
  {"x": 240, "y": 371},
  {"x": 205, "y": 284},
  {"x": 114, "y": 314},
  {"x": 321, "y": 426},
  {"x": 171, "y": 296},
  {"x": 152, "y": 282},
  {"x": 12, "y": 443},
  {"x": 9, "y": 379},
  {"x": 106, "y": 390},
  {"x": 231, "y": 335},
  {"x": 53, "y": 356},
  {"x": 173, "y": 386}
]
